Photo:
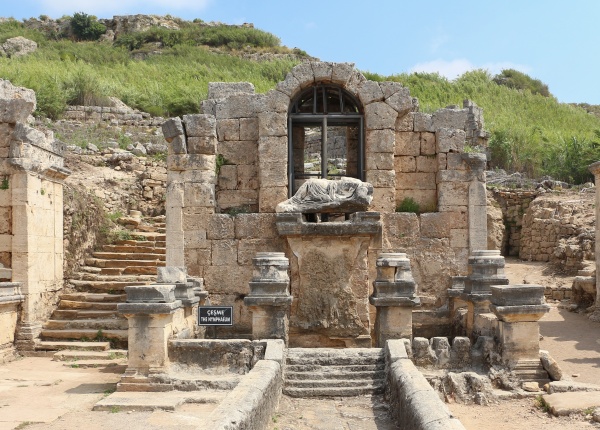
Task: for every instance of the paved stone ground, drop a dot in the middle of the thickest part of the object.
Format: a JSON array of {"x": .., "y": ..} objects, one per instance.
[{"x": 337, "y": 413}]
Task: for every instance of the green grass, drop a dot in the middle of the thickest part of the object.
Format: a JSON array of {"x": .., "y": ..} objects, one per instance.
[{"x": 530, "y": 133}]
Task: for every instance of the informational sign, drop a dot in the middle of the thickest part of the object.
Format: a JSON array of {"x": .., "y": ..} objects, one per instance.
[{"x": 215, "y": 315}]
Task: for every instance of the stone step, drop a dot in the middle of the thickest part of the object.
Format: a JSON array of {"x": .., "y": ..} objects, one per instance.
[
  {"x": 115, "y": 286},
  {"x": 329, "y": 357},
  {"x": 333, "y": 391},
  {"x": 88, "y": 324},
  {"x": 45, "y": 345},
  {"x": 93, "y": 297},
  {"x": 317, "y": 368},
  {"x": 71, "y": 314},
  {"x": 109, "y": 278},
  {"x": 131, "y": 248},
  {"x": 328, "y": 383},
  {"x": 118, "y": 335},
  {"x": 340, "y": 372},
  {"x": 89, "y": 269},
  {"x": 119, "y": 365},
  {"x": 100, "y": 262},
  {"x": 129, "y": 256},
  {"x": 152, "y": 236},
  {"x": 66, "y": 305},
  {"x": 142, "y": 270},
  {"x": 73, "y": 355}
]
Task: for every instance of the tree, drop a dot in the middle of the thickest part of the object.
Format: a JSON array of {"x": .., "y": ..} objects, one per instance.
[{"x": 86, "y": 27}]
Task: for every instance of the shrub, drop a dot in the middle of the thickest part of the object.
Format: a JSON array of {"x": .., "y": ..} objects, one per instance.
[
  {"x": 84, "y": 89},
  {"x": 86, "y": 27},
  {"x": 514, "y": 79},
  {"x": 408, "y": 205}
]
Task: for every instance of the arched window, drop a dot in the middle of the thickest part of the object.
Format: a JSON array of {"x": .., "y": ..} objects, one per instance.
[{"x": 325, "y": 136}]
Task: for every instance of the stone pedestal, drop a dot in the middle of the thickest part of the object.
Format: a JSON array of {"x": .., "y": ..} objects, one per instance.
[
  {"x": 486, "y": 268},
  {"x": 10, "y": 301},
  {"x": 519, "y": 308},
  {"x": 150, "y": 310},
  {"x": 456, "y": 302},
  {"x": 394, "y": 297},
  {"x": 269, "y": 299},
  {"x": 329, "y": 279}
]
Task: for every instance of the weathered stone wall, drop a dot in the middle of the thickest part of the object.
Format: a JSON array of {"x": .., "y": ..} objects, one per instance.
[
  {"x": 559, "y": 231},
  {"x": 116, "y": 115},
  {"x": 227, "y": 170},
  {"x": 31, "y": 171},
  {"x": 514, "y": 204}
]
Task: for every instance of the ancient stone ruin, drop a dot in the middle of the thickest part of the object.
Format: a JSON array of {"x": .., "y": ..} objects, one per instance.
[{"x": 344, "y": 230}]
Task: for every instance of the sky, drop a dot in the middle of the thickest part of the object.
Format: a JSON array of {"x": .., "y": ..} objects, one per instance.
[{"x": 555, "y": 41}]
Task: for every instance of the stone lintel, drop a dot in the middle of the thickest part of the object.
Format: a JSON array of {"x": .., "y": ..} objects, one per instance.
[
  {"x": 455, "y": 293},
  {"x": 262, "y": 301},
  {"x": 149, "y": 308},
  {"x": 523, "y": 313},
  {"x": 268, "y": 288},
  {"x": 395, "y": 301},
  {"x": 517, "y": 295},
  {"x": 476, "y": 297},
  {"x": 9, "y": 289},
  {"x": 360, "y": 224},
  {"x": 188, "y": 303},
  {"x": 482, "y": 285},
  {"x": 399, "y": 288},
  {"x": 151, "y": 293},
  {"x": 57, "y": 173},
  {"x": 184, "y": 292}
]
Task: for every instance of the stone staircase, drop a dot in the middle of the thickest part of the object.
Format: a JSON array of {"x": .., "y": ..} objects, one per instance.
[
  {"x": 320, "y": 372},
  {"x": 89, "y": 311}
]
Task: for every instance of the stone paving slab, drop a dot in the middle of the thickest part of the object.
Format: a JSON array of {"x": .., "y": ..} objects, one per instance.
[
  {"x": 167, "y": 401},
  {"x": 562, "y": 404}
]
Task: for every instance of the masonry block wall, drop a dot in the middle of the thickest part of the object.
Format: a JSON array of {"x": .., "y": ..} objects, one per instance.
[
  {"x": 31, "y": 202},
  {"x": 228, "y": 169}
]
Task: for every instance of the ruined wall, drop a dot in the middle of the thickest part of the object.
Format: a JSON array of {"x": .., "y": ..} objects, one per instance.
[
  {"x": 227, "y": 170},
  {"x": 514, "y": 204},
  {"x": 122, "y": 115},
  {"x": 31, "y": 196},
  {"x": 559, "y": 231}
]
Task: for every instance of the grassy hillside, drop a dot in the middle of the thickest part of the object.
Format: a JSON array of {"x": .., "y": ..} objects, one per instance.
[
  {"x": 530, "y": 133},
  {"x": 166, "y": 72}
]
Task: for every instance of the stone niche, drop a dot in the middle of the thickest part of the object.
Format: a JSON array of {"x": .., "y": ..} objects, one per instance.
[{"x": 229, "y": 167}]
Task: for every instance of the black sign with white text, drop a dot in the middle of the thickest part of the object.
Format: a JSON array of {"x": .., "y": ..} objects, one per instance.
[{"x": 215, "y": 315}]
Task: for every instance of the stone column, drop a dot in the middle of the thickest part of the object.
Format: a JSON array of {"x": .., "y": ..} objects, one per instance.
[
  {"x": 456, "y": 302},
  {"x": 486, "y": 268},
  {"x": 10, "y": 301},
  {"x": 595, "y": 169},
  {"x": 394, "y": 297},
  {"x": 477, "y": 201},
  {"x": 269, "y": 299},
  {"x": 519, "y": 308},
  {"x": 150, "y": 311}
]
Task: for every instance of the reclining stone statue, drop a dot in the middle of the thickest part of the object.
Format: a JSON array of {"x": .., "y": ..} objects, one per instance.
[{"x": 328, "y": 196}]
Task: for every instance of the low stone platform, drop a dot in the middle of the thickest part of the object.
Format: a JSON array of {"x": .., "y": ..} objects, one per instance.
[
  {"x": 167, "y": 401},
  {"x": 561, "y": 404}
]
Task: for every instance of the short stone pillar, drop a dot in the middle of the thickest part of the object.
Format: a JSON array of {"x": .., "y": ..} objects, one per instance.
[
  {"x": 186, "y": 291},
  {"x": 394, "y": 297},
  {"x": 595, "y": 169},
  {"x": 455, "y": 302},
  {"x": 519, "y": 308},
  {"x": 269, "y": 299},
  {"x": 10, "y": 301},
  {"x": 486, "y": 268},
  {"x": 150, "y": 311}
]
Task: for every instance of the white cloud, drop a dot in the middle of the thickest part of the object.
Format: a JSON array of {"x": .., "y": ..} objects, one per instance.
[
  {"x": 454, "y": 68},
  {"x": 108, "y": 8}
]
